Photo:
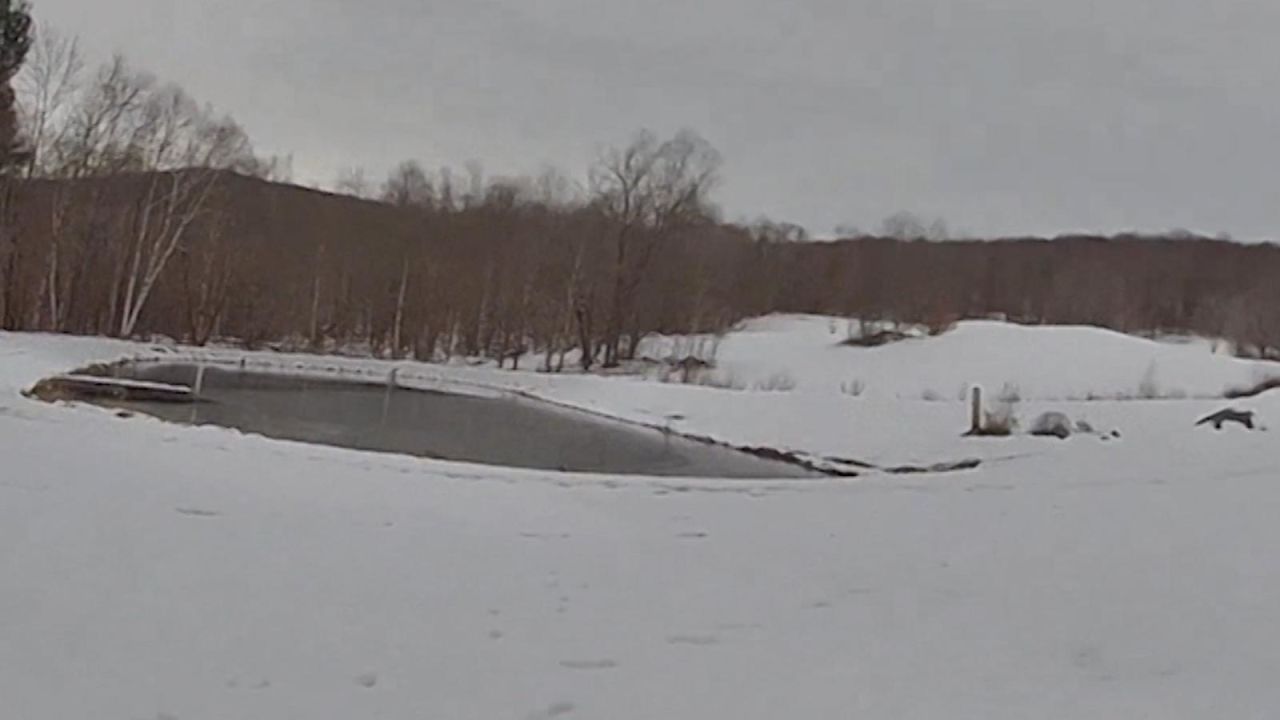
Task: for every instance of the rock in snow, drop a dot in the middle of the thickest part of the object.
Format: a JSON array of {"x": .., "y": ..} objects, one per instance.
[{"x": 1052, "y": 424}]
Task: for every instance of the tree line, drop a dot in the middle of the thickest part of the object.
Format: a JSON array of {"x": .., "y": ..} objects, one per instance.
[{"x": 129, "y": 209}]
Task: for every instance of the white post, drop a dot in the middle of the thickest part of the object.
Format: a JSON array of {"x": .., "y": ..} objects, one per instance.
[
  {"x": 386, "y": 398},
  {"x": 196, "y": 390}
]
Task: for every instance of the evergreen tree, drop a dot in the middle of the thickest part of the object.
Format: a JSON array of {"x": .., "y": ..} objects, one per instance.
[{"x": 15, "y": 42}]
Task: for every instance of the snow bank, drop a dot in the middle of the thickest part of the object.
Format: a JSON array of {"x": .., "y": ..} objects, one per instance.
[{"x": 1059, "y": 363}]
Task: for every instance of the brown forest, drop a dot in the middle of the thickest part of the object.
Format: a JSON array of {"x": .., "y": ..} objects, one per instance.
[
  {"x": 506, "y": 274},
  {"x": 139, "y": 212}
]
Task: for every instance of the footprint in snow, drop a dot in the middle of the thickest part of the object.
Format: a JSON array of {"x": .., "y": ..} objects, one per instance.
[
  {"x": 605, "y": 664},
  {"x": 367, "y": 680},
  {"x": 545, "y": 536},
  {"x": 737, "y": 627},
  {"x": 698, "y": 640},
  {"x": 559, "y": 709}
]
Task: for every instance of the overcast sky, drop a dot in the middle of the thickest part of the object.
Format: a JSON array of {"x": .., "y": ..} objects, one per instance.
[{"x": 1002, "y": 116}]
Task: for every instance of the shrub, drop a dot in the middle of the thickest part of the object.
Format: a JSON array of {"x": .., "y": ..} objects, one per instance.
[
  {"x": 1010, "y": 394},
  {"x": 999, "y": 421}
]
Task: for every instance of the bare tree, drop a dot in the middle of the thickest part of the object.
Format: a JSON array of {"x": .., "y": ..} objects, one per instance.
[
  {"x": 770, "y": 231},
  {"x": 207, "y": 271},
  {"x": 554, "y": 189},
  {"x": 185, "y": 149},
  {"x": 47, "y": 87},
  {"x": 903, "y": 225},
  {"x": 353, "y": 181},
  {"x": 104, "y": 129},
  {"x": 847, "y": 230},
  {"x": 408, "y": 186},
  {"x": 475, "y": 184},
  {"x": 938, "y": 231},
  {"x": 276, "y": 168},
  {"x": 906, "y": 225},
  {"x": 648, "y": 191}
]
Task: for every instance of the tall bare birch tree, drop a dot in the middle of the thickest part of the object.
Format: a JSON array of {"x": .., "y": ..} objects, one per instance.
[{"x": 184, "y": 150}]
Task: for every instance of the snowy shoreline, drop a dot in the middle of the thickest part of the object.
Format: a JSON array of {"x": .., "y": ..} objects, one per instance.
[
  {"x": 152, "y": 570},
  {"x": 904, "y": 431}
]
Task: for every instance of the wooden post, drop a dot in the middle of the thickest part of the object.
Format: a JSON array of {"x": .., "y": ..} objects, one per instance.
[
  {"x": 199, "y": 380},
  {"x": 975, "y": 412}
]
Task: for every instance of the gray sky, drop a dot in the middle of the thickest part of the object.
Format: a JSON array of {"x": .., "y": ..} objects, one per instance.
[{"x": 1002, "y": 116}]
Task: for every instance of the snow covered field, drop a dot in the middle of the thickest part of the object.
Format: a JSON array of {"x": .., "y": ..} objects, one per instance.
[{"x": 152, "y": 571}]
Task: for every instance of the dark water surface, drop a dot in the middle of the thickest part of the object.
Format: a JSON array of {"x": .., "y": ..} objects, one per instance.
[{"x": 495, "y": 431}]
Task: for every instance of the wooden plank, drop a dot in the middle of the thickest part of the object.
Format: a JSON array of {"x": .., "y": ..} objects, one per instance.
[{"x": 92, "y": 387}]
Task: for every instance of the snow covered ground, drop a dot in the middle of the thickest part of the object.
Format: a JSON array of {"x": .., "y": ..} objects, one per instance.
[{"x": 153, "y": 571}]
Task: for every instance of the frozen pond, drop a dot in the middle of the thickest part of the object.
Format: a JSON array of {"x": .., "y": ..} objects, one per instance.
[{"x": 490, "y": 430}]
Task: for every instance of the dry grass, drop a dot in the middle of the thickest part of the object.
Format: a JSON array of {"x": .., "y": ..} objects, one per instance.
[
  {"x": 777, "y": 382},
  {"x": 719, "y": 380}
]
